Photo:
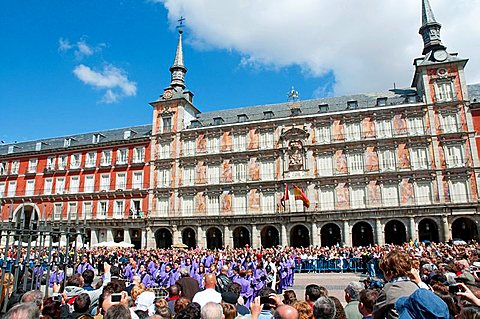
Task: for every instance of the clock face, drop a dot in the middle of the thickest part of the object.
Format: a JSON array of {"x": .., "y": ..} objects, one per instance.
[
  {"x": 167, "y": 95},
  {"x": 440, "y": 55}
]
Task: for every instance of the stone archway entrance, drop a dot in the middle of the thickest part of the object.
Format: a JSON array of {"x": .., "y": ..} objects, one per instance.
[
  {"x": 299, "y": 236},
  {"x": 214, "y": 238},
  {"x": 464, "y": 228},
  {"x": 163, "y": 238},
  {"x": 188, "y": 237},
  {"x": 26, "y": 218},
  {"x": 395, "y": 232},
  {"x": 428, "y": 230},
  {"x": 241, "y": 237},
  {"x": 362, "y": 234},
  {"x": 330, "y": 235},
  {"x": 270, "y": 237}
]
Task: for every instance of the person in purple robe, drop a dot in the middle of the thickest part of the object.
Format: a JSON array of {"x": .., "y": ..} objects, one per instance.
[
  {"x": 199, "y": 274},
  {"x": 290, "y": 271},
  {"x": 56, "y": 276},
  {"x": 37, "y": 275},
  {"x": 84, "y": 265},
  {"x": 130, "y": 270},
  {"x": 165, "y": 276},
  {"x": 145, "y": 277},
  {"x": 283, "y": 272},
  {"x": 259, "y": 278}
]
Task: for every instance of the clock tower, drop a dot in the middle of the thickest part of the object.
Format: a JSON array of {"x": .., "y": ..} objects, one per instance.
[{"x": 439, "y": 75}]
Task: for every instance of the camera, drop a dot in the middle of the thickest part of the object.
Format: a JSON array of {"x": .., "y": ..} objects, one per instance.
[
  {"x": 57, "y": 297},
  {"x": 453, "y": 289},
  {"x": 116, "y": 297},
  {"x": 266, "y": 302}
]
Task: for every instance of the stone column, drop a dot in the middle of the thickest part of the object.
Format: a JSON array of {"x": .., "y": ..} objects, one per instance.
[
  {"x": 79, "y": 241},
  {"x": 149, "y": 236},
  {"x": 256, "y": 240},
  {"x": 93, "y": 237},
  {"x": 447, "y": 232},
  {"x": 126, "y": 236},
  {"x": 347, "y": 238},
  {"x": 315, "y": 237},
  {"x": 227, "y": 237},
  {"x": 201, "y": 237},
  {"x": 413, "y": 229},
  {"x": 379, "y": 232},
  {"x": 109, "y": 235},
  {"x": 284, "y": 238},
  {"x": 63, "y": 239},
  {"x": 175, "y": 235}
]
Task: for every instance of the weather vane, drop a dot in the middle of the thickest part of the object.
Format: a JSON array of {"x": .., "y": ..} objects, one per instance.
[
  {"x": 180, "y": 24},
  {"x": 293, "y": 95}
]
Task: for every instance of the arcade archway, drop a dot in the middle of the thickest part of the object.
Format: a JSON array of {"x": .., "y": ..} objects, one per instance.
[
  {"x": 395, "y": 232},
  {"x": 362, "y": 234},
  {"x": 163, "y": 238},
  {"x": 428, "y": 230},
  {"x": 299, "y": 236},
  {"x": 214, "y": 238},
  {"x": 270, "y": 237},
  {"x": 330, "y": 235},
  {"x": 26, "y": 218},
  {"x": 465, "y": 229},
  {"x": 241, "y": 237},
  {"x": 188, "y": 238}
]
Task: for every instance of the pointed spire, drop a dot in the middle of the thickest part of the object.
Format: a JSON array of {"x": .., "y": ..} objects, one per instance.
[
  {"x": 178, "y": 69},
  {"x": 427, "y": 13},
  {"x": 430, "y": 29}
]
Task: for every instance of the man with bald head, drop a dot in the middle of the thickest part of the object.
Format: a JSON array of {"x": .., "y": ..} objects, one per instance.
[
  {"x": 209, "y": 294},
  {"x": 285, "y": 312}
]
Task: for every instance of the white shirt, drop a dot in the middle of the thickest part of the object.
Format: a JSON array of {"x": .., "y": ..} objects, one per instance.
[{"x": 207, "y": 295}]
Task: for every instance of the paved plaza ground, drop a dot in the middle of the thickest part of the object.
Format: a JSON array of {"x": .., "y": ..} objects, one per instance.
[{"x": 334, "y": 282}]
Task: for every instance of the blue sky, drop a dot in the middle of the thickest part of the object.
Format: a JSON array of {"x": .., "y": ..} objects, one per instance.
[{"x": 69, "y": 67}]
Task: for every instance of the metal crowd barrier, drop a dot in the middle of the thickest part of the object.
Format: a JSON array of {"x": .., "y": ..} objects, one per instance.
[{"x": 329, "y": 265}]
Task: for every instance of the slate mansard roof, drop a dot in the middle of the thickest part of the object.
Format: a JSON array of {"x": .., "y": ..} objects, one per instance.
[
  {"x": 78, "y": 140},
  {"x": 230, "y": 116}
]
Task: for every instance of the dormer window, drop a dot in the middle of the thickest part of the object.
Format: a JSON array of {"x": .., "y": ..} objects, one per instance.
[
  {"x": 67, "y": 142},
  {"x": 38, "y": 146},
  {"x": 352, "y": 105},
  {"x": 323, "y": 108},
  {"x": 128, "y": 134},
  {"x": 195, "y": 124},
  {"x": 381, "y": 101},
  {"x": 295, "y": 111},
  {"x": 268, "y": 115},
  {"x": 242, "y": 118},
  {"x": 412, "y": 99},
  {"x": 96, "y": 138},
  {"x": 10, "y": 149},
  {"x": 217, "y": 121}
]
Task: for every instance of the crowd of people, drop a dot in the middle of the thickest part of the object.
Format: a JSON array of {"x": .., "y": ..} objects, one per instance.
[{"x": 415, "y": 280}]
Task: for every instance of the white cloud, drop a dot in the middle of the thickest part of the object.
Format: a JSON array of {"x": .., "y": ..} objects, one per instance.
[
  {"x": 64, "y": 45},
  {"x": 111, "y": 79},
  {"x": 81, "y": 48},
  {"x": 368, "y": 44}
]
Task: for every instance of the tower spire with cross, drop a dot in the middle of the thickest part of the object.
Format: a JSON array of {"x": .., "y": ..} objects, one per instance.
[{"x": 178, "y": 69}]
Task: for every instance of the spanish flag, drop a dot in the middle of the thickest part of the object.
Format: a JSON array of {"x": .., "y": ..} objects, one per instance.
[
  {"x": 285, "y": 196},
  {"x": 300, "y": 195}
]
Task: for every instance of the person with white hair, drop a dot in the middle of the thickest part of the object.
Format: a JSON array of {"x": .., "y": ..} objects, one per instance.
[
  {"x": 212, "y": 310},
  {"x": 324, "y": 308},
  {"x": 352, "y": 292}
]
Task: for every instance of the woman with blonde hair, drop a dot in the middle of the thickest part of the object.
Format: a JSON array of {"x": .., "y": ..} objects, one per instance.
[{"x": 304, "y": 309}]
